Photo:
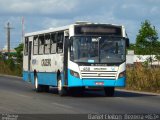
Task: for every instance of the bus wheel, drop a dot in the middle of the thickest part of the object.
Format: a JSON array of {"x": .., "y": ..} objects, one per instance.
[
  {"x": 109, "y": 91},
  {"x": 61, "y": 90},
  {"x": 38, "y": 87}
]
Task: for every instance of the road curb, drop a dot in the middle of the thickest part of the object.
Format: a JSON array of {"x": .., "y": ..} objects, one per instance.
[
  {"x": 10, "y": 76},
  {"x": 138, "y": 92}
]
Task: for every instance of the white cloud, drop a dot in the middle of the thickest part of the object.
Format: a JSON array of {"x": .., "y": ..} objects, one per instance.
[
  {"x": 37, "y": 6},
  {"x": 43, "y": 14},
  {"x": 51, "y": 23}
]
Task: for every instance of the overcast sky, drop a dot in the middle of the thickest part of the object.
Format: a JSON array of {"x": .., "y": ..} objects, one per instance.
[{"x": 44, "y": 14}]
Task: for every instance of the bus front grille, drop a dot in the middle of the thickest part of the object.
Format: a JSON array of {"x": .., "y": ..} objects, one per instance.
[{"x": 97, "y": 74}]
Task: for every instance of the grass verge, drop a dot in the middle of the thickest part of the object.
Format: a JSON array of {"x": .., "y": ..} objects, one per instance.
[{"x": 143, "y": 78}]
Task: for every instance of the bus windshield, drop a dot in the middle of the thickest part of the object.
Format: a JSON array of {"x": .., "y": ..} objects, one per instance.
[{"x": 91, "y": 49}]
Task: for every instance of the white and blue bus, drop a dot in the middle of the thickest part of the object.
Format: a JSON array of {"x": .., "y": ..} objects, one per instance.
[{"x": 76, "y": 57}]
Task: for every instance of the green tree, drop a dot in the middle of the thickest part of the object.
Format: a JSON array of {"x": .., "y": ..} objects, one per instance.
[
  {"x": 147, "y": 39},
  {"x": 157, "y": 47},
  {"x": 19, "y": 53},
  {"x": 10, "y": 63},
  {"x": 157, "y": 58},
  {"x": 131, "y": 46}
]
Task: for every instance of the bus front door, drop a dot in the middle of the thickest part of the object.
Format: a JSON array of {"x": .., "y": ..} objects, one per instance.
[{"x": 29, "y": 60}]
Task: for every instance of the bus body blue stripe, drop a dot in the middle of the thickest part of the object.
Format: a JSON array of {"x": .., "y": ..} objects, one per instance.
[
  {"x": 25, "y": 75},
  {"x": 44, "y": 78}
]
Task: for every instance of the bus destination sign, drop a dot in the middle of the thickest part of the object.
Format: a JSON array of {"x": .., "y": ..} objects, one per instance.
[{"x": 98, "y": 30}]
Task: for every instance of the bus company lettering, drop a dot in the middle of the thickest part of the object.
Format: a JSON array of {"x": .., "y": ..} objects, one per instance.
[
  {"x": 100, "y": 69},
  {"x": 46, "y": 62}
]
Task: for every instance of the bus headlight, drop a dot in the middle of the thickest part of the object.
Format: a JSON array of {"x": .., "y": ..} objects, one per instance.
[
  {"x": 75, "y": 74},
  {"x": 122, "y": 74}
]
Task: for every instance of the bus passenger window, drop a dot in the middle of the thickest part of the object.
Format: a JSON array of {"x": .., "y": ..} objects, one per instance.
[
  {"x": 47, "y": 44},
  {"x": 53, "y": 43},
  {"x": 26, "y": 46},
  {"x": 41, "y": 44},
  {"x": 35, "y": 45},
  {"x": 60, "y": 42}
]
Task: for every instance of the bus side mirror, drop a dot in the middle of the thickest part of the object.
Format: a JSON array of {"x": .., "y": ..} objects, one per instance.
[{"x": 127, "y": 42}]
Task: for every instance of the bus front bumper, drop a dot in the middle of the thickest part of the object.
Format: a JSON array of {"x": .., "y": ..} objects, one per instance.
[{"x": 93, "y": 82}]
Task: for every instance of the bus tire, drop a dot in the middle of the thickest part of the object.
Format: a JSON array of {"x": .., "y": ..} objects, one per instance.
[
  {"x": 109, "y": 91},
  {"x": 62, "y": 91},
  {"x": 38, "y": 88}
]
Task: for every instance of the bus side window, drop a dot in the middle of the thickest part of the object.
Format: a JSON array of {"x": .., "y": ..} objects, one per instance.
[
  {"x": 47, "y": 44},
  {"x": 35, "y": 45},
  {"x": 53, "y": 43},
  {"x": 41, "y": 44},
  {"x": 60, "y": 37},
  {"x": 26, "y": 46}
]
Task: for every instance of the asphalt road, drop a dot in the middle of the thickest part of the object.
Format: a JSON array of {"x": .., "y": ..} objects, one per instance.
[{"x": 17, "y": 96}]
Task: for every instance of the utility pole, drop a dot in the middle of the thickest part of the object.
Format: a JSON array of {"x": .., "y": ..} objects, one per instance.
[
  {"x": 8, "y": 28},
  {"x": 22, "y": 30}
]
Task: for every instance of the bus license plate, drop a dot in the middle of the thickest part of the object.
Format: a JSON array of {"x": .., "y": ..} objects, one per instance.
[{"x": 99, "y": 83}]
